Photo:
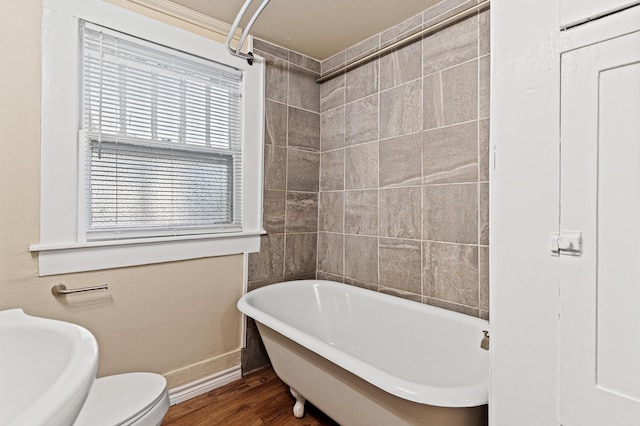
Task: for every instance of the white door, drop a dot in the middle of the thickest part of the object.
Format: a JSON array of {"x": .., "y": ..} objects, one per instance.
[
  {"x": 573, "y": 11},
  {"x": 599, "y": 363}
]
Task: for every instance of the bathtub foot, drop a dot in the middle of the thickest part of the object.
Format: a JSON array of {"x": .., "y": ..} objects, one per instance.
[{"x": 298, "y": 409}]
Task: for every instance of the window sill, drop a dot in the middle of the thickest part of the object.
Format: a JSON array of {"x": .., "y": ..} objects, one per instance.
[{"x": 91, "y": 256}]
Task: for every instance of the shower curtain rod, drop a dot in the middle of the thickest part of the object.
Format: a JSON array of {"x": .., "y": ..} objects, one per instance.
[
  {"x": 237, "y": 51},
  {"x": 409, "y": 39}
]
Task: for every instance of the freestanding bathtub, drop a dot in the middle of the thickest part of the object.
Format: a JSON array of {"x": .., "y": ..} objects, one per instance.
[{"x": 367, "y": 358}]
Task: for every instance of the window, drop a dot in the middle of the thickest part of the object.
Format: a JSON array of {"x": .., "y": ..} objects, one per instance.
[
  {"x": 151, "y": 142},
  {"x": 161, "y": 140}
]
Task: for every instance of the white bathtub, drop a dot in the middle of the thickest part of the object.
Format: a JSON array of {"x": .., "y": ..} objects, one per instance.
[{"x": 366, "y": 358}]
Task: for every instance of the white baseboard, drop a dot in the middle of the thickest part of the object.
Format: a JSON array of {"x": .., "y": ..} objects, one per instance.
[{"x": 204, "y": 385}]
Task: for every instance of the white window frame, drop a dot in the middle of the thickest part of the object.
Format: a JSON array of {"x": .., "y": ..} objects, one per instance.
[{"x": 63, "y": 247}]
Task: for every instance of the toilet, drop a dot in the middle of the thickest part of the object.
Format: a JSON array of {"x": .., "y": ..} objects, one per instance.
[{"x": 136, "y": 399}]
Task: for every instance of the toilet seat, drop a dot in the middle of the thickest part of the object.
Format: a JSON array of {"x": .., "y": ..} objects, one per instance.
[{"x": 139, "y": 399}]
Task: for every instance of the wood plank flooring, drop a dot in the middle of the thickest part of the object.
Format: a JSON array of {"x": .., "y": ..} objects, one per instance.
[{"x": 259, "y": 398}]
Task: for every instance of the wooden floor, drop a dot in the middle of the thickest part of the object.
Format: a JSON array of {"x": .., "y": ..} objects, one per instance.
[{"x": 259, "y": 398}]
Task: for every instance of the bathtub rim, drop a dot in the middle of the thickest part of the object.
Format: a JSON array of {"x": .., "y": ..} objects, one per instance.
[{"x": 476, "y": 394}]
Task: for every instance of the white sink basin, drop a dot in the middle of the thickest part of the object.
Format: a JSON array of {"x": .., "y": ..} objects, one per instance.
[{"x": 46, "y": 369}]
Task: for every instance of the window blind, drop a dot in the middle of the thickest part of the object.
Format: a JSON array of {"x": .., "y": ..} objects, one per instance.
[{"x": 163, "y": 152}]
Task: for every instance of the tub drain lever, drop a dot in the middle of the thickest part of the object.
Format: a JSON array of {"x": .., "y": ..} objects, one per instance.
[{"x": 484, "y": 344}]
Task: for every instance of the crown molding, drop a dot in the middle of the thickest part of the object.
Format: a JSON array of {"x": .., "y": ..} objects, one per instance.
[{"x": 191, "y": 16}]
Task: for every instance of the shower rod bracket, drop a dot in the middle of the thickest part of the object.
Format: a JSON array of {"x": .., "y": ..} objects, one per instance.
[{"x": 245, "y": 32}]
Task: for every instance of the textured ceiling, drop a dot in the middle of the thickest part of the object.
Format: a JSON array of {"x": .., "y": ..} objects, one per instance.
[{"x": 316, "y": 28}]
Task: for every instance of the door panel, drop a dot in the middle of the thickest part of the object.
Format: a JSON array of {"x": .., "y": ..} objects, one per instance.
[
  {"x": 618, "y": 233},
  {"x": 599, "y": 360}
]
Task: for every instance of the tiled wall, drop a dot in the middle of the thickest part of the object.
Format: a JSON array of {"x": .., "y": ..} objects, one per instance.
[
  {"x": 292, "y": 161},
  {"x": 383, "y": 170},
  {"x": 403, "y": 203}
]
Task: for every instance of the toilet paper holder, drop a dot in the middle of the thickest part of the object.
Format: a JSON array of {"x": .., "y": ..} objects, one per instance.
[{"x": 61, "y": 289}]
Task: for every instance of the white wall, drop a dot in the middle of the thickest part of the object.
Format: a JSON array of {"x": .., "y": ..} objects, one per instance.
[{"x": 524, "y": 211}]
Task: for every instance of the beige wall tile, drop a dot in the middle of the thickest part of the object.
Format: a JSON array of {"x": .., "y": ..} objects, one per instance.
[
  {"x": 484, "y": 87},
  {"x": 467, "y": 310},
  {"x": 332, "y": 62},
  {"x": 401, "y": 66},
  {"x": 304, "y": 62},
  {"x": 460, "y": 93},
  {"x": 361, "y": 121},
  {"x": 362, "y": 48},
  {"x": 330, "y": 253},
  {"x": 302, "y": 170},
  {"x": 361, "y": 166},
  {"x": 361, "y": 258},
  {"x": 252, "y": 285},
  {"x": 275, "y": 123},
  {"x": 400, "y": 161},
  {"x": 301, "y": 276},
  {"x": 415, "y": 297},
  {"x": 483, "y": 272},
  {"x": 484, "y": 22},
  {"x": 362, "y": 81},
  {"x": 300, "y": 253},
  {"x": 331, "y": 212},
  {"x": 271, "y": 49},
  {"x": 268, "y": 262},
  {"x": 390, "y": 173},
  {"x": 451, "y": 213},
  {"x": 361, "y": 284},
  {"x": 451, "y": 46},
  {"x": 329, "y": 277},
  {"x": 451, "y": 273},
  {"x": 400, "y": 265},
  {"x": 254, "y": 355},
  {"x": 450, "y": 154},
  {"x": 483, "y": 214},
  {"x": 432, "y": 101},
  {"x": 361, "y": 212},
  {"x": 483, "y": 172},
  {"x": 401, "y": 110},
  {"x": 403, "y": 29},
  {"x": 332, "y": 93},
  {"x": 304, "y": 92},
  {"x": 273, "y": 211},
  {"x": 332, "y": 129},
  {"x": 304, "y": 129},
  {"x": 292, "y": 163},
  {"x": 400, "y": 212},
  {"x": 301, "y": 212},
  {"x": 332, "y": 171},
  {"x": 276, "y": 79},
  {"x": 443, "y": 9},
  {"x": 275, "y": 167}
]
